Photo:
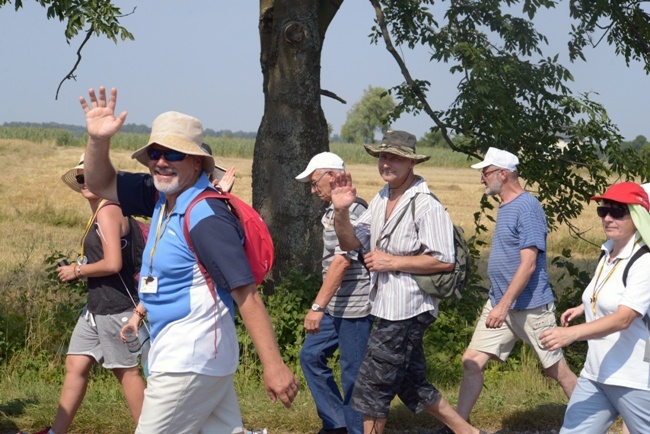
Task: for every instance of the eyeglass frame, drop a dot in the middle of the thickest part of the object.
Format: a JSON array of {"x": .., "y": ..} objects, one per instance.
[
  {"x": 608, "y": 211},
  {"x": 484, "y": 175},
  {"x": 314, "y": 184},
  {"x": 151, "y": 153}
]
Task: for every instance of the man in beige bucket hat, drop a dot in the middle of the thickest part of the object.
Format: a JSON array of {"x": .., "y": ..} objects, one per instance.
[{"x": 194, "y": 350}]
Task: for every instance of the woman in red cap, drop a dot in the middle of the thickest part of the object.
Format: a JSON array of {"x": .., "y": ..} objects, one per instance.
[{"x": 615, "y": 379}]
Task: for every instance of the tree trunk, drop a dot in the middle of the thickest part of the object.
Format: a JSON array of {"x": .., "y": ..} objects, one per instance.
[{"x": 293, "y": 129}]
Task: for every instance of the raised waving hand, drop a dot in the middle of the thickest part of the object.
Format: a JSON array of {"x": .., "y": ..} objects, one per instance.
[{"x": 101, "y": 122}]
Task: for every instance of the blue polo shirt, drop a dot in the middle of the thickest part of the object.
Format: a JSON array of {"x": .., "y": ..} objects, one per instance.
[{"x": 190, "y": 330}]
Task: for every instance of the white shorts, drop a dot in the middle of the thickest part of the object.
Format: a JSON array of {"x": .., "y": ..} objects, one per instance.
[
  {"x": 525, "y": 324},
  {"x": 189, "y": 403}
]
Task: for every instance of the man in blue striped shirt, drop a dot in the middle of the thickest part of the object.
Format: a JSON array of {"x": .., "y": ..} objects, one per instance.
[{"x": 520, "y": 304}]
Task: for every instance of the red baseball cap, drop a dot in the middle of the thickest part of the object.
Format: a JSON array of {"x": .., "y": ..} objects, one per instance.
[{"x": 626, "y": 192}]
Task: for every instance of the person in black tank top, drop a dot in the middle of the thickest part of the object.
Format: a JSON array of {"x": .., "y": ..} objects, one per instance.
[{"x": 105, "y": 261}]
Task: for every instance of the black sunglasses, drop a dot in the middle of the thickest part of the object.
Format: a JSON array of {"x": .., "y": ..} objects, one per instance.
[
  {"x": 170, "y": 155},
  {"x": 80, "y": 179},
  {"x": 616, "y": 212}
]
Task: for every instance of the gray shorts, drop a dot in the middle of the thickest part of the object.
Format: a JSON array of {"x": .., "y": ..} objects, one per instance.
[
  {"x": 525, "y": 324},
  {"x": 98, "y": 336}
]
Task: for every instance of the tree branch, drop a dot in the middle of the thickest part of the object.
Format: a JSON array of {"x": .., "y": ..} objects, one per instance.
[
  {"x": 71, "y": 75},
  {"x": 332, "y": 95},
  {"x": 381, "y": 21}
]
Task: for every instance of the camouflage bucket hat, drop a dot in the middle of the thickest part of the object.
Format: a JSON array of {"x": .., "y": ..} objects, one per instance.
[{"x": 399, "y": 143}]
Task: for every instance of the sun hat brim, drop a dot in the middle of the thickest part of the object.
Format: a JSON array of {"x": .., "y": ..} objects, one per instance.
[
  {"x": 69, "y": 178},
  {"x": 177, "y": 144},
  {"x": 401, "y": 151}
]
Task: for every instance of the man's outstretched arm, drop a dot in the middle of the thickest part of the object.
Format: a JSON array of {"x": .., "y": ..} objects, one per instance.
[{"x": 102, "y": 125}]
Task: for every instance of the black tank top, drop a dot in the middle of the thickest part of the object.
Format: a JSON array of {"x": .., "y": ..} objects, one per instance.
[{"x": 110, "y": 294}]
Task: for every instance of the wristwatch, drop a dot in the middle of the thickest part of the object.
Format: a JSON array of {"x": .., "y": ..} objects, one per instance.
[{"x": 316, "y": 308}]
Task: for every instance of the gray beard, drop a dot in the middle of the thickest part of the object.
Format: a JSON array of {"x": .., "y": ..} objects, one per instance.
[{"x": 167, "y": 188}]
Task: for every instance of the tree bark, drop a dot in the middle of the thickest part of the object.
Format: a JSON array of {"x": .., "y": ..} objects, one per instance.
[{"x": 293, "y": 128}]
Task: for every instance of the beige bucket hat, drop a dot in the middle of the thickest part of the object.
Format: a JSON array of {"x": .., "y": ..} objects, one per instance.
[
  {"x": 70, "y": 177},
  {"x": 399, "y": 143},
  {"x": 179, "y": 132}
]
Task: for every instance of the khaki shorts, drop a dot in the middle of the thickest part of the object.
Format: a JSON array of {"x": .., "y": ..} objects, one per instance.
[{"x": 525, "y": 324}]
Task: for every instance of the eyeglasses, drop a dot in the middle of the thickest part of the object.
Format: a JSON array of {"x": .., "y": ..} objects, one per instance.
[
  {"x": 170, "y": 155},
  {"x": 80, "y": 179},
  {"x": 315, "y": 183},
  {"x": 484, "y": 175},
  {"x": 615, "y": 212}
]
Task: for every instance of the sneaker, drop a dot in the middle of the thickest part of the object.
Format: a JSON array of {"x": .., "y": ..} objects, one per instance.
[
  {"x": 444, "y": 430},
  {"x": 257, "y": 431},
  {"x": 333, "y": 431}
]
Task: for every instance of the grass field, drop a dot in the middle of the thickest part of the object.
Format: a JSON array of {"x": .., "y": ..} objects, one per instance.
[{"x": 41, "y": 215}]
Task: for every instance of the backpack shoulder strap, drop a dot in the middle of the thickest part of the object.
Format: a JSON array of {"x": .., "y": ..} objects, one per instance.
[
  {"x": 205, "y": 194},
  {"x": 361, "y": 202},
  {"x": 642, "y": 251}
]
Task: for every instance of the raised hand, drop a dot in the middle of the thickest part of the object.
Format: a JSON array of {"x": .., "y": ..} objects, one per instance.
[
  {"x": 101, "y": 122},
  {"x": 343, "y": 192}
]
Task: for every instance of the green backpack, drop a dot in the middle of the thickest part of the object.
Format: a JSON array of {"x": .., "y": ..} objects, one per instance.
[{"x": 449, "y": 284}]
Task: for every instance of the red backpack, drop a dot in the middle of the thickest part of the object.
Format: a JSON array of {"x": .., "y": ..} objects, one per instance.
[{"x": 258, "y": 244}]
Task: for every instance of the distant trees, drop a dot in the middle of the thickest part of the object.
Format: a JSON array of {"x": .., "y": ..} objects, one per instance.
[{"x": 369, "y": 116}]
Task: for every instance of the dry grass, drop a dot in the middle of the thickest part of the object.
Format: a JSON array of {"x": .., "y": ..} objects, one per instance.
[{"x": 40, "y": 214}]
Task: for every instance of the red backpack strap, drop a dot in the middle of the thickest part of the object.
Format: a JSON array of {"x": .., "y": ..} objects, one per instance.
[{"x": 206, "y": 194}]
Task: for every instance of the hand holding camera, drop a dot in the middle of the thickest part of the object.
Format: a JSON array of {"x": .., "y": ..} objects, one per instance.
[{"x": 66, "y": 271}]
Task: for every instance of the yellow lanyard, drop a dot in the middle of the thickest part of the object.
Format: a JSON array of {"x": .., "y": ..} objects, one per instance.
[
  {"x": 160, "y": 229},
  {"x": 597, "y": 288},
  {"x": 82, "y": 259}
]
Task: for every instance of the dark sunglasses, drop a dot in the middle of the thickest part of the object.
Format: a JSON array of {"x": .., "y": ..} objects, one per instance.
[
  {"x": 155, "y": 154},
  {"x": 616, "y": 213},
  {"x": 80, "y": 179}
]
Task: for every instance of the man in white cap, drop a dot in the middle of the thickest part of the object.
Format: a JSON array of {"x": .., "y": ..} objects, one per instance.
[
  {"x": 520, "y": 304},
  {"x": 194, "y": 351},
  {"x": 340, "y": 316},
  {"x": 421, "y": 243}
]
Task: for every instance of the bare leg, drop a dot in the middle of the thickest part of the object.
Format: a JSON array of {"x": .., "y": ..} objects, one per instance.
[
  {"x": 561, "y": 373},
  {"x": 133, "y": 388},
  {"x": 77, "y": 368},
  {"x": 470, "y": 387},
  {"x": 442, "y": 411},
  {"x": 624, "y": 429},
  {"x": 373, "y": 425}
]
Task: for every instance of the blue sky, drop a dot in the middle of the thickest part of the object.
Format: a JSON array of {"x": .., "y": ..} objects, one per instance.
[{"x": 201, "y": 57}]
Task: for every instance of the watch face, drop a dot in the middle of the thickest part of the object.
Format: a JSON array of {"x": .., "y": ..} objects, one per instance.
[{"x": 315, "y": 307}]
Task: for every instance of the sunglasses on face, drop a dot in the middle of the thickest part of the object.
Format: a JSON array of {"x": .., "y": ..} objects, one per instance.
[
  {"x": 615, "y": 212},
  {"x": 170, "y": 155},
  {"x": 80, "y": 179}
]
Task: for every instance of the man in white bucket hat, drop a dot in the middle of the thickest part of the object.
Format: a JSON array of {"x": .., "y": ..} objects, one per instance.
[{"x": 194, "y": 350}]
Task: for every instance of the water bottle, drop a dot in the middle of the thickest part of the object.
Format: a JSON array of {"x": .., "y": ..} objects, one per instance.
[{"x": 132, "y": 340}]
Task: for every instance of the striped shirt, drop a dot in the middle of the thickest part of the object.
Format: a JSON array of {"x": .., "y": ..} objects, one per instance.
[
  {"x": 521, "y": 223},
  {"x": 351, "y": 299},
  {"x": 395, "y": 295}
]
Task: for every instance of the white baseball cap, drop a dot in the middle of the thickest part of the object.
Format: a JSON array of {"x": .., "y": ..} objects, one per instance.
[
  {"x": 499, "y": 158},
  {"x": 324, "y": 160}
]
